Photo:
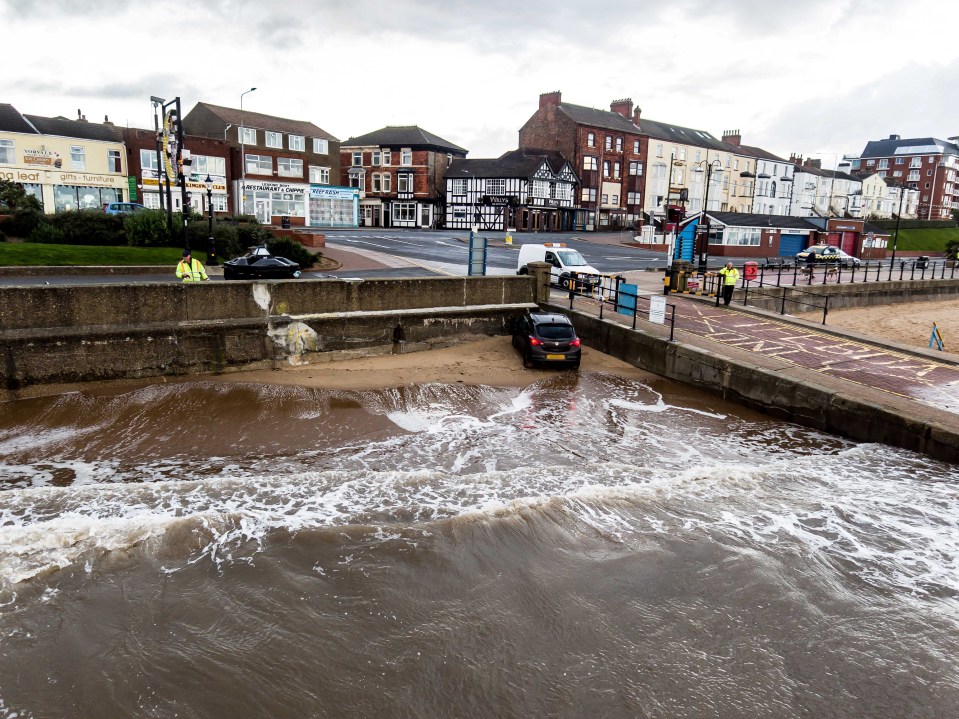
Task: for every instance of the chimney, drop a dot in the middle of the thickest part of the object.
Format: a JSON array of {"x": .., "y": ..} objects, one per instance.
[
  {"x": 795, "y": 159},
  {"x": 636, "y": 113},
  {"x": 732, "y": 137},
  {"x": 894, "y": 137},
  {"x": 550, "y": 99},
  {"x": 622, "y": 107},
  {"x": 106, "y": 120},
  {"x": 816, "y": 163}
]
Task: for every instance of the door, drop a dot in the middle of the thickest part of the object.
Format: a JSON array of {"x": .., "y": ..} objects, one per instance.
[
  {"x": 263, "y": 211},
  {"x": 789, "y": 245},
  {"x": 849, "y": 243}
]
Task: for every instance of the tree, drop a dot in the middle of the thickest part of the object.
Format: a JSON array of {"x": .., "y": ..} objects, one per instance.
[{"x": 14, "y": 198}]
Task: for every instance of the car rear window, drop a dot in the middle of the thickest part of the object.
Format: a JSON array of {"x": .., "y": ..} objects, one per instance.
[{"x": 555, "y": 332}]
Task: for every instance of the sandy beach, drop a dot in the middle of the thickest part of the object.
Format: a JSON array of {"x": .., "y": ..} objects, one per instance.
[
  {"x": 908, "y": 324},
  {"x": 491, "y": 361}
]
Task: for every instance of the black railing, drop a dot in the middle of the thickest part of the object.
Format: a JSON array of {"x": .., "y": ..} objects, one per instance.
[
  {"x": 779, "y": 273},
  {"x": 609, "y": 291},
  {"x": 782, "y": 298}
]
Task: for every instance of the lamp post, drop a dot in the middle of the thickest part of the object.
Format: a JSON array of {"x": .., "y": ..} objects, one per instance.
[
  {"x": 895, "y": 237},
  {"x": 210, "y": 244},
  {"x": 670, "y": 249},
  {"x": 243, "y": 155},
  {"x": 714, "y": 166}
]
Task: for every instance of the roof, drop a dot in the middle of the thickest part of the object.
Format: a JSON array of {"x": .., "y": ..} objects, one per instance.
[
  {"x": 758, "y": 152},
  {"x": 605, "y": 119},
  {"x": 402, "y": 136},
  {"x": 683, "y": 135},
  {"x": 63, "y": 127},
  {"x": 522, "y": 163},
  {"x": 909, "y": 146},
  {"x": 259, "y": 121},
  {"x": 12, "y": 121},
  {"x": 749, "y": 219}
]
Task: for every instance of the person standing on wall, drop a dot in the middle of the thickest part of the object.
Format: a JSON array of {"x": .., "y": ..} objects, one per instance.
[
  {"x": 730, "y": 277},
  {"x": 190, "y": 270}
]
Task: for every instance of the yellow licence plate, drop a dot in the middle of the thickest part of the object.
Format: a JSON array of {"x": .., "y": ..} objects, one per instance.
[{"x": 555, "y": 357}]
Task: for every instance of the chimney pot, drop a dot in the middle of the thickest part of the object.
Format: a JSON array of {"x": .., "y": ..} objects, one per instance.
[{"x": 550, "y": 99}]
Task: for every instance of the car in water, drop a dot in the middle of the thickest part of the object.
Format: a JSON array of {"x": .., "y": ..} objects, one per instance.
[
  {"x": 259, "y": 264},
  {"x": 546, "y": 338},
  {"x": 123, "y": 208},
  {"x": 828, "y": 253}
]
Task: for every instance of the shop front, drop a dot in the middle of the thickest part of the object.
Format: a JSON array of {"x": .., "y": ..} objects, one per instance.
[
  {"x": 333, "y": 206},
  {"x": 270, "y": 202},
  {"x": 153, "y": 193}
]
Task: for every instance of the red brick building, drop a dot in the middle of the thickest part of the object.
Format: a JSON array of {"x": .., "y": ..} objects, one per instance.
[
  {"x": 925, "y": 164},
  {"x": 210, "y": 158},
  {"x": 400, "y": 172},
  {"x": 607, "y": 150},
  {"x": 275, "y": 159}
]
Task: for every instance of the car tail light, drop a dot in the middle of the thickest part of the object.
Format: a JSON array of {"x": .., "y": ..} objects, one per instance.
[
  {"x": 574, "y": 343},
  {"x": 535, "y": 342}
]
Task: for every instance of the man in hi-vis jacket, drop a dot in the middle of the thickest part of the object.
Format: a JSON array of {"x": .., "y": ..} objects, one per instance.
[{"x": 190, "y": 270}]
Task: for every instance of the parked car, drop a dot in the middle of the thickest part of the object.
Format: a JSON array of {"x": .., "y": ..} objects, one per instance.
[
  {"x": 122, "y": 208},
  {"x": 259, "y": 264},
  {"x": 548, "y": 338},
  {"x": 828, "y": 253}
]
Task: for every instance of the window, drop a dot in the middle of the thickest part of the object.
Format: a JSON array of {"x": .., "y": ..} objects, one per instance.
[
  {"x": 589, "y": 194},
  {"x": 357, "y": 159},
  {"x": 377, "y": 185},
  {"x": 376, "y": 159},
  {"x": 387, "y": 182},
  {"x": 7, "y": 151},
  {"x": 151, "y": 200},
  {"x": 458, "y": 187},
  {"x": 616, "y": 200},
  {"x": 589, "y": 163},
  {"x": 404, "y": 211},
  {"x": 590, "y": 139},
  {"x": 633, "y": 198},
  {"x": 659, "y": 150},
  {"x": 259, "y": 165},
  {"x": 870, "y": 163},
  {"x": 735, "y": 164},
  {"x": 148, "y": 158},
  {"x": 297, "y": 142},
  {"x": 357, "y": 179},
  {"x": 205, "y": 165},
  {"x": 605, "y": 199},
  {"x": 897, "y": 173},
  {"x": 387, "y": 158},
  {"x": 699, "y": 155},
  {"x": 219, "y": 203},
  {"x": 635, "y": 147},
  {"x": 289, "y": 167},
  {"x": 406, "y": 157},
  {"x": 928, "y": 173},
  {"x": 616, "y": 169},
  {"x": 321, "y": 147},
  {"x": 247, "y": 136},
  {"x": 899, "y": 161},
  {"x": 609, "y": 142},
  {"x": 273, "y": 139},
  {"x": 496, "y": 187},
  {"x": 540, "y": 188},
  {"x": 605, "y": 168},
  {"x": 404, "y": 182},
  {"x": 635, "y": 168},
  {"x": 319, "y": 175},
  {"x": 78, "y": 157},
  {"x": 884, "y": 164}
]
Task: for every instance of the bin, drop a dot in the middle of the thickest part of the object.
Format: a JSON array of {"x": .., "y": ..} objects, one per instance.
[
  {"x": 922, "y": 261},
  {"x": 677, "y": 276},
  {"x": 285, "y": 222},
  {"x": 750, "y": 271}
]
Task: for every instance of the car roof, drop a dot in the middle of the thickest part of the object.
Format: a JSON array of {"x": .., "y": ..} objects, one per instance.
[{"x": 549, "y": 318}]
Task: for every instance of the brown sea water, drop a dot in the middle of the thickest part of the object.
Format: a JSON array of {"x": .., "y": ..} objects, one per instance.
[{"x": 585, "y": 547}]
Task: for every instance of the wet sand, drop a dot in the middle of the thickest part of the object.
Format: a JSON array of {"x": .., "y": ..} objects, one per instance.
[
  {"x": 908, "y": 324},
  {"x": 491, "y": 361}
]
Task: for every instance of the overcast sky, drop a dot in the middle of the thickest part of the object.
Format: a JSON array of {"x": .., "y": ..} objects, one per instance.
[{"x": 814, "y": 77}]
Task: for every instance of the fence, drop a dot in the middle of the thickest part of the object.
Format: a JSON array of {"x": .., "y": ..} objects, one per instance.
[{"x": 822, "y": 273}]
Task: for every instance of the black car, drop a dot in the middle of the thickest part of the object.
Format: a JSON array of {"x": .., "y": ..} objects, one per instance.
[
  {"x": 548, "y": 338},
  {"x": 259, "y": 264}
]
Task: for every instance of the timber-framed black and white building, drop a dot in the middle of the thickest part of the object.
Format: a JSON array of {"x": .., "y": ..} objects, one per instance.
[{"x": 525, "y": 189}]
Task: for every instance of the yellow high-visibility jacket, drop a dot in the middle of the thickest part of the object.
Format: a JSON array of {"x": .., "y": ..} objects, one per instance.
[
  {"x": 731, "y": 276},
  {"x": 192, "y": 272}
]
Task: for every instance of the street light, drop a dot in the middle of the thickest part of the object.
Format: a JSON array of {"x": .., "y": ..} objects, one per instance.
[
  {"x": 895, "y": 237},
  {"x": 670, "y": 249},
  {"x": 243, "y": 154},
  {"x": 714, "y": 166},
  {"x": 210, "y": 244}
]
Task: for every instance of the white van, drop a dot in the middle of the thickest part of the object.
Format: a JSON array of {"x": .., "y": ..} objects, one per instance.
[{"x": 565, "y": 261}]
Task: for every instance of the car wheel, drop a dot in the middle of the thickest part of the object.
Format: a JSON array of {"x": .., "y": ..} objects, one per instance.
[
  {"x": 566, "y": 282},
  {"x": 527, "y": 359},
  {"x": 524, "y": 270}
]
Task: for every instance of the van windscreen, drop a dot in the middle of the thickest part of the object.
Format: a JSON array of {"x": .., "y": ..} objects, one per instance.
[{"x": 571, "y": 258}]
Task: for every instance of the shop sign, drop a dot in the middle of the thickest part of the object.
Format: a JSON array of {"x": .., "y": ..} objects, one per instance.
[
  {"x": 219, "y": 188},
  {"x": 21, "y": 175},
  {"x": 43, "y": 156},
  {"x": 88, "y": 180},
  {"x": 333, "y": 193},
  {"x": 132, "y": 188},
  {"x": 275, "y": 187}
]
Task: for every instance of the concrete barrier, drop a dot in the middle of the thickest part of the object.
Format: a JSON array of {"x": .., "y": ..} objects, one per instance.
[{"x": 67, "y": 334}]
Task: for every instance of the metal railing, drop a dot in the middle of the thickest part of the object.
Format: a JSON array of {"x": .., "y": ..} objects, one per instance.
[
  {"x": 782, "y": 299},
  {"x": 776, "y": 274},
  {"x": 609, "y": 291}
]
